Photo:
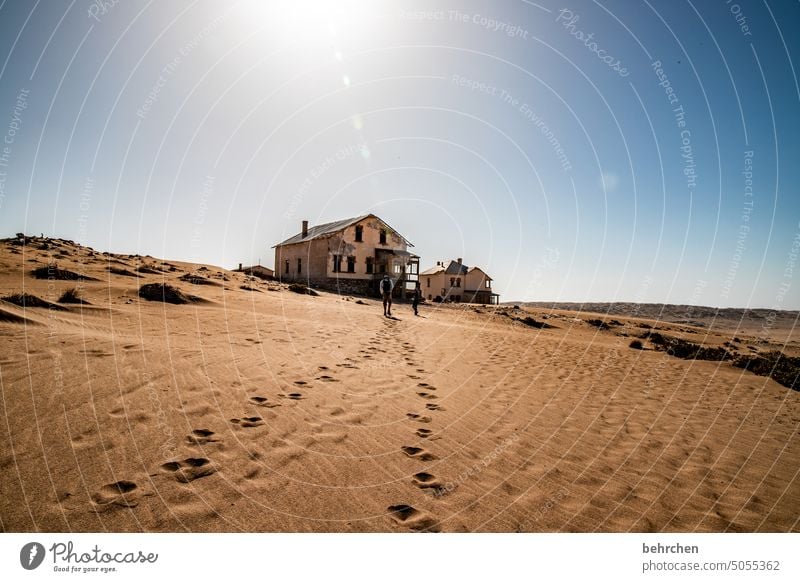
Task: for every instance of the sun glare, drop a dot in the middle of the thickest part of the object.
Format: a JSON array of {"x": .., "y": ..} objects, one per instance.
[{"x": 310, "y": 22}]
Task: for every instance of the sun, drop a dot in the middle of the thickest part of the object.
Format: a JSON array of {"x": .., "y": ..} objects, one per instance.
[{"x": 309, "y": 22}]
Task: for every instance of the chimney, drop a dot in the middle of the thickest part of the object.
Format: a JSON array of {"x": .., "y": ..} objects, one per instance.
[
  {"x": 305, "y": 228},
  {"x": 459, "y": 260},
  {"x": 240, "y": 266}
]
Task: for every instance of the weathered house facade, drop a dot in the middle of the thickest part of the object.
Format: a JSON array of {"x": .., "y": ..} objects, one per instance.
[
  {"x": 454, "y": 281},
  {"x": 348, "y": 256}
]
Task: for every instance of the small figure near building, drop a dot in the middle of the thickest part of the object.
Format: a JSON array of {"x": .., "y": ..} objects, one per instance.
[{"x": 386, "y": 291}]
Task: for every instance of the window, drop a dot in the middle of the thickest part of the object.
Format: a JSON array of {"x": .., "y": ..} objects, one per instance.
[
  {"x": 488, "y": 284},
  {"x": 286, "y": 269},
  {"x": 458, "y": 282},
  {"x": 337, "y": 263},
  {"x": 299, "y": 266},
  {"x": 397, "y": 268},
  {"x": 452, "y": 281},
  {"x": 370, "y": 265},
  {"x": 429, "y": 281},
  {"x": 383, "y": 236},
  {"x": 359, "y": 233},
  {"x": 351, "y": 264}
]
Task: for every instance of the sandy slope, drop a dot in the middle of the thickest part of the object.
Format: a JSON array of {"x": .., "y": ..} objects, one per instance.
[{"x": 271, "y": 411}]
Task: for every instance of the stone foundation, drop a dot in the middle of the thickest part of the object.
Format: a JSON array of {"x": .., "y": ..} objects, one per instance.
[
  {"x": 349, "y": 286},
  {"x": 364, "y": 287}
]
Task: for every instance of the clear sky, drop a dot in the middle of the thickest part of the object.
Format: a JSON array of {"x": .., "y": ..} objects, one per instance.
[{"x": 583, "y": 151}]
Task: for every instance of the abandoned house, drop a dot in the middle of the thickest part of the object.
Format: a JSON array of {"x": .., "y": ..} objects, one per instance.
[
  {"x": 348, "y": 256},
  {"x": 454, "y": 281}
]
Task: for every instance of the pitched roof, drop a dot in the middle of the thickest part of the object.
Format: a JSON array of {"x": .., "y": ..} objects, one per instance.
[
  {"x": 320, "y": 230},
  {"x": 453, "y": 268},
  {"x": 433, "y": 270},
  {"x": 257, "y": 268},
  {"x": 481, "y": 270},
  {"x": 331, "y": 228},
  {"x": 456, "y": 268}
]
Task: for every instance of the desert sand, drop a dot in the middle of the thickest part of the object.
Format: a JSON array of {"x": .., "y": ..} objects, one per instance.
[{"x": 260, "y": 409}]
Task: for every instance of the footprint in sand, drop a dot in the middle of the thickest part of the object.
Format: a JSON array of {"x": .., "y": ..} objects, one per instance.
[
  {"x": 300, "y": 383},
  {"x": 327, "y": 379},
  {"x": 412, "y": 518},
  {"x": 427, "y": 395},
  {"x": 425, "y": 480},
  {"x": 426, "y": 386},
  {"x": 424, "y": 433},
  {"x": 262, "y": 401},
  {"x": 292, "y": 396},
  {"x": 252, "y": 473},
  {"x": 202, "y": 436},
  {"x": 189, "y": 469},
  {"x": 248, "y": 421},
  {"x": 418, "y": 453},
  {"x": 121, "y": 493},
  {"x": 418, "y": 417},
  {"x": 433, "y": 406}
]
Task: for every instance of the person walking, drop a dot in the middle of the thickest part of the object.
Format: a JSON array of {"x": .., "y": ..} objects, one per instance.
[
  {"x": 386, "y": 291},
  {"x": 416, "y": 298}
]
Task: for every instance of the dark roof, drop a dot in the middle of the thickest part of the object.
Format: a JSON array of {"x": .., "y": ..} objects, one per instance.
[
  {"x": 453, "y": 268},
  {"x": 320, "y": 230},
  {"x": 253, "y": 268},
  {"x": 331, "y": 228},
  {"x": 456, "y": 268}
]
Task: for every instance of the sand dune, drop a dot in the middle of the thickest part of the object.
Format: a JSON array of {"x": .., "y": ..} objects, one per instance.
[{"x": 276, "y": 411}]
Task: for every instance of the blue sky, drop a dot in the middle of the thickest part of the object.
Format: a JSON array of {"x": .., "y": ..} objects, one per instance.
[{"x": 582, "y": 151}]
